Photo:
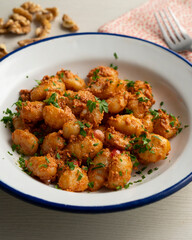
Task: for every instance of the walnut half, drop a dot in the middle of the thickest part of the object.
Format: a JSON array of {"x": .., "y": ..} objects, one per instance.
[
  {"x": 28, "y": 41},
  {"x": 69, "y": 24},
  {"x": 3, "y": 50}
]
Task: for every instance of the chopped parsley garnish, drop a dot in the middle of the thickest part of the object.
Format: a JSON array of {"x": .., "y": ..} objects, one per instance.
[
  {"x": 77, "y": 97},
  {"x": 16, "y": 147},
  {"x": 174, "y": 118},
  {"x": 8, "y": 120},
  {"x": 99, "y": 153},
  {"x": 113, "y": 66},
  {"x": 98, "y": 165},
  {"x": 71, "y": 165},
  {"x": 47, "y": 160},
  {"x": 80, "y": 176},
  {"x": 52, "y": 100},
  {"x": 150, "y": 171},
  {"x": 87, "y": 125},
  {"x": 43, "y": 165},
  {"x": 61, "y": 75},
  {"x": 140, "y": 180},
  {"x": 144, "y": 146},
  {"x": 18, "y": 104},
  {"x": 82, "y": 131},
  {"x": 103, "y": 105},
  {"x": 89, "y": 161},
  {"x": 10, "y": 153},
  {"x": 91, "y": 105},
  {"x": 120, "y": 173},
  {"x": 118, "y": 187},
  {"x": 130, "y": 84},
  {"x": 95, "y": 144},
  {"x": 156, "y": 137},
  {"x": 91, "y": 184},
  {"x": 161, "y": 104},
  {"x": 128, "y": 185},
  {"x": 128, "y": 111},
  {"x": 38, "y": 82},
  {"x": 115, "y": 55},
  {"x": 95, "y": 75},
  {"x": 58, "y": 156},
  {"x": 40, "y": 141},
  {"x": 143, "y": 99},
  {"x": 21, "y": 162},
  {"x": 155, "y": 114},
  {"x": 110, "y": 136},
  {"x": 172, "y": 123}
]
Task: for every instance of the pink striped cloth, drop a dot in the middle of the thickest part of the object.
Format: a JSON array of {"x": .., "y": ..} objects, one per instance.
[{"x": 141, "y": 23}]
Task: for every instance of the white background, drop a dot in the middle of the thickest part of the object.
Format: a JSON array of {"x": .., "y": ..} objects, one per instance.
[{"x": 170, "y": 218}]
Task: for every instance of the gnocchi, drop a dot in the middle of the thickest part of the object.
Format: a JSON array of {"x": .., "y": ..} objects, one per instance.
[{"x": 86, "y": 136}]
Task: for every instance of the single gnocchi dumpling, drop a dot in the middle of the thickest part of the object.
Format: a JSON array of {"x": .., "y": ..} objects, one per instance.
[
  {"x": 151, "y": 148},
  {"x": 165, "y": 124},
  {"x": 118, "y": 102},
  {"x": 103, "y": 81},
  {"x": 71, "y": 81},
  {"x": 98, "y": 171},
  {"x": 32, "y": 112},
  {"x": 139, "y": 104},
  {"x": 47, "y": 84},
  {"x": 19, "y": 123},
  {"x": 148, "y": 122},
  {"x": 127, "y": 124},
  {"x": 55, "y": 117},
  {"x": 84, "y": 147},
  {"x": 85, "y": 106},
  {"x": 25, "y": 142},
  {"x": 53, "y": 142},
  {"x": 117, "y": 140},
  {"x": 120, "y": 169},
  {"x": 139, "y": 87},
  {"x": 73, "y": 179},
  {"x": 44, "y": 167},
  {"x": 70, "y": 128},
  {"x": 102, "y": 71}
]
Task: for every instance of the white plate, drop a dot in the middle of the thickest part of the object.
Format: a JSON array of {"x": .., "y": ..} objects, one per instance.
[{"x": 171, "y": 79}]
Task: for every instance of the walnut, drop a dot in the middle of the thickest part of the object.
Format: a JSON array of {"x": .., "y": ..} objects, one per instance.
[
  {"x": 2, "y": 28},
  {"x": 31, "y": 7},
  {"x": 42, "y": 31},
  {"x": 44, "y": 15},
  {"x": 54, "y": 11},
  {"x": 1, "y": 22},
  {"x": 3, "y": 50},
  {"x": 69, "y": 23},
  {"x": 21, "y": 19},
  {"x": 27, "y": 41},
  {"x": 23, "y": 12},
  {"x": 18, "y": 29}
]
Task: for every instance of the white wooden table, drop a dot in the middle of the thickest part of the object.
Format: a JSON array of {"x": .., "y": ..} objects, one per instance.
[{"x": 169, "y": 219}]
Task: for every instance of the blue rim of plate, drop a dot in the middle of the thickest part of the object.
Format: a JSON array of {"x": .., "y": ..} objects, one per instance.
[{"x": 100, "y": 209}]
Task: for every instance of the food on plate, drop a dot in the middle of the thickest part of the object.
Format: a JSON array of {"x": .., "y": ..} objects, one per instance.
[{"x": 82, "y": 136}]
